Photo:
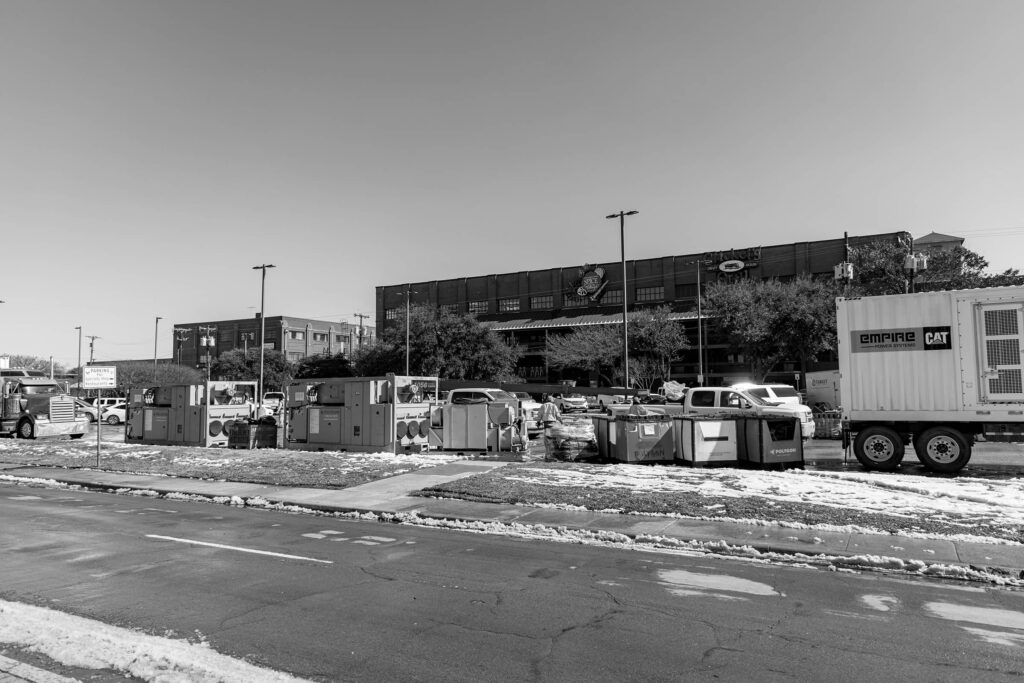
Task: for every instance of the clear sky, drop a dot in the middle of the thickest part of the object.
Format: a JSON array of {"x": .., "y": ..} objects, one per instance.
[{"x": 152, "y": 152}]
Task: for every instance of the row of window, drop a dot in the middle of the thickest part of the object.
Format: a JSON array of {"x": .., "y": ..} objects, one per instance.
[{"x": 547, "y": 301}]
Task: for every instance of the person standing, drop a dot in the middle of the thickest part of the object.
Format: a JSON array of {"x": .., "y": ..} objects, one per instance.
[{"x": 549, "y": 416}]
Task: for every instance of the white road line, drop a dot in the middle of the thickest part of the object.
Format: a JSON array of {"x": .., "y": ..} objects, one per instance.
[{"x": 241, "y": 550}]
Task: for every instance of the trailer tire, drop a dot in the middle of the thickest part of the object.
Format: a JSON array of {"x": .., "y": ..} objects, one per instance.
[
  {"x": 942, "y": 449},
  {"x": 879, "y": 448},
  {"x": 26, "y": 430}
]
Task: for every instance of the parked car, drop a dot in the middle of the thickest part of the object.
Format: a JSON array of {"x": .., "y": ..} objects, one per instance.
[
  {"x": 652, "y": 399},
  {"x": 607, "y": 397},
  {"x": 569, "y": 403},
  {"x": 773, "y": 393},
  {"x": 272, "y": 402},
  {"x": 115, "y": 414},
  {"x": 87, "y": 409},
  {"x": 104, "y": 402}
]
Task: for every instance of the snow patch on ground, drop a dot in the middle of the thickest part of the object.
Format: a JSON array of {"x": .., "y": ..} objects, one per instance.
[{"x": 90, "y": 644}]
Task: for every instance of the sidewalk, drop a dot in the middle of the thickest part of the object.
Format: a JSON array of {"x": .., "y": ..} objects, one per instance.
[{"x": 392, "y": 495}]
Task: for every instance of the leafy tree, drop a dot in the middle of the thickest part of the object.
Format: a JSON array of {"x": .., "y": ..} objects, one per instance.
[
  {"x": 144, "y": 373},
  {"x": 878, "y": 267},
  {"x": 243, "y": 366},
  {"x": 594, "y": 348},
  {"x": 657, "y": 339},
  {"x": 654, "y": 341},
  {"x": 771, "y": 321},
  {"x": 324, "y": 365},
  {"x": 34, "y": 363},
  {"x": 441, "y": 344}
]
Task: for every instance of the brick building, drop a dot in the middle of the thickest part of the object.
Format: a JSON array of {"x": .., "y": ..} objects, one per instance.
[
  {"x": 528, "y": 306},
  {"x": 295, "y": 337}
]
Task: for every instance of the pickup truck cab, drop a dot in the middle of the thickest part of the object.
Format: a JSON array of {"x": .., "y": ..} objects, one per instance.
[
  {"x": 529, "y": 408},
  {"x": 726, "y": 400}
]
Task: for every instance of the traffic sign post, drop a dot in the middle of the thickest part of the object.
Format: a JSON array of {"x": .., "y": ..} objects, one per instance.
[{"x": 99, "y": 377}]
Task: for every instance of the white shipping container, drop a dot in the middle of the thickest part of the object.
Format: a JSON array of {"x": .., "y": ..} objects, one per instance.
[{"x": 947, "y": 361}]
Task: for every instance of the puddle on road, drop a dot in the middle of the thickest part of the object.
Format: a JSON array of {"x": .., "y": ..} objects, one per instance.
[
  {"x": 715, "y": 585},
  {"x": 988, "y": 616}
]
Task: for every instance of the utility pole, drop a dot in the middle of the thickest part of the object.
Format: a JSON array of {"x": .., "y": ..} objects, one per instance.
[
  {"x": 209, "y": 341},
  {"x": 361, "y": 316},
  {"x": 263, "y": 328},
  {"x": 156, "y": 336},
  {"x": 92, "y": 343},
  {"x": 180, "y": 335}
]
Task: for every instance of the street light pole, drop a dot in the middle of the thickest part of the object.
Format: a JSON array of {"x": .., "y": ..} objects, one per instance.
[
  {"x": 263, "y": 328},
  {"x": 408, "y": 293},
  {"x": 79, "y": 328},
  {"x": 621, "y": 215},
  {"x": 156, "y": 336}
]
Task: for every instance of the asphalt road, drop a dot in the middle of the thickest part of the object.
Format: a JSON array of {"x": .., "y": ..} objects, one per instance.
[{"x": 330, "y": 599}]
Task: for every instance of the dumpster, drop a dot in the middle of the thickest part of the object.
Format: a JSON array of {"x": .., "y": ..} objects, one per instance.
[
  {"x": 771, "y": 441},
  {"x": 642, "y": 438},
  {"x": 244, "y": 434},
  {"x": 706, "y": 440}
]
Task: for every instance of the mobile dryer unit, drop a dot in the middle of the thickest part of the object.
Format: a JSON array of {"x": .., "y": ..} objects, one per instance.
[
  {"x": 359, "y": 413},
  {"x": 391, "y": 413},
  {"x": 188, "y": 414}
]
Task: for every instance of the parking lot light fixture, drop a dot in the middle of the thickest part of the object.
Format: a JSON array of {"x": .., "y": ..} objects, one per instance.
[{"x": 621, "y": 215}]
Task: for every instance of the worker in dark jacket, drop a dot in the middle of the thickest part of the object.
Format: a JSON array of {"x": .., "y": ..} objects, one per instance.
[{"x": 549, "y": 416}]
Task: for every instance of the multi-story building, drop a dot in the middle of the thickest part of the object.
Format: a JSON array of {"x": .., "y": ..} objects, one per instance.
[
  {"x": 528, "y": 306},
  {"x": 295, "y": 337}
]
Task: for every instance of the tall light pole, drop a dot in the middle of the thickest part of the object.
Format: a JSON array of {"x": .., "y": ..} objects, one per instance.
[
  {"x": 79, "y": 328},
  {"x": 621, "y": 215},
  {"x": 156, "y": 336},
  {"x": 408, "y": 293},
  {"x": 263, "y": 328}
]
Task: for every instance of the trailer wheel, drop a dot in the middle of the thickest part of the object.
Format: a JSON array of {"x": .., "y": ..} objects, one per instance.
[
  {"x": 942, "y": 449},
  {"x": 26, "y": 430},
  {"x": 879, "y": 448}
]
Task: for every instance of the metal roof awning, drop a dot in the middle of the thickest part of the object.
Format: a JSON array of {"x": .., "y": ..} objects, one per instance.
[{"x": 570, "y": 321}]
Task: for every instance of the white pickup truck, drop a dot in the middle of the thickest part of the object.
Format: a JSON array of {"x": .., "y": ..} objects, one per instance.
[{"x": 726, "y": 401}]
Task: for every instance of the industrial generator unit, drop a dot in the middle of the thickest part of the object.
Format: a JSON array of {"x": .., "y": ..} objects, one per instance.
[
  {"x": 360, "y": 413},
  {"x": 188, "y": 414}
]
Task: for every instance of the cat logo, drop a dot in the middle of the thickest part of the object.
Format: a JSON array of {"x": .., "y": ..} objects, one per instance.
[{"x": 937, "y": 338}]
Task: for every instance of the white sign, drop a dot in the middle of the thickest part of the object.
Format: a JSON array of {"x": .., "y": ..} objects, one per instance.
[
  {"x": 99, "y": 377},
  {"x": 733, "y": 266}
]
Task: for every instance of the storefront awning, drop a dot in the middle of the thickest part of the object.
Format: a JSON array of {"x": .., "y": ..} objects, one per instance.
[{"x": 570, "y": 321}]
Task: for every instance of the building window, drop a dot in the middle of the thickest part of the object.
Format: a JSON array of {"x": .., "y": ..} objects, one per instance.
[
  {"x": 574, "y": 301},
  {"x": 613, "y": 296},
  {"x": 320, "y": 337},
  {"x": 298, "y": 335},
  {"x": 537, "y": 302},
  {"x": 391, "y": 314},
  {"x": 294, "y": 356},
  {"x": 508, "y": 305},
  {"x": 650, "y": 293},
  {"x": 449, "y": 308},
  {"x": 339, "y": 338},
  {"x": 477, "y": 306}
]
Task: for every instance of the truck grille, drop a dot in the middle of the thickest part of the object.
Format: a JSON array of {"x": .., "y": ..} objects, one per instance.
[{"x": 62, "y": 409}]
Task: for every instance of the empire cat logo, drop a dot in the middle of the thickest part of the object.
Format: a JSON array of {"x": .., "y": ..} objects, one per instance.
[{"x": 903, "y": 339}]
